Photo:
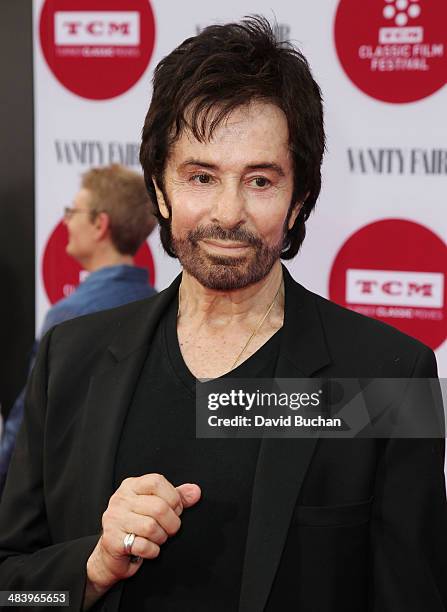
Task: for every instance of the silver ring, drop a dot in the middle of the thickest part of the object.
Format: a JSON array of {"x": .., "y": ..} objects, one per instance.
[{"x": 129, "y": 539}]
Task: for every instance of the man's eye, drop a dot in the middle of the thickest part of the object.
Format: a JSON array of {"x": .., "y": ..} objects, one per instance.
[
  {"x": 203, "y": 179},
  {"x": 260, "y": 181}
]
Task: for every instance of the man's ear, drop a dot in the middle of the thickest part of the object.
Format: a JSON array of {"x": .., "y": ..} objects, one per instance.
[
  {"x": 294, "y": 214},
  {"x": 164, "y": 210},
  {"x": 102, "y": 224},
  {"x": 296, "y": 211}
]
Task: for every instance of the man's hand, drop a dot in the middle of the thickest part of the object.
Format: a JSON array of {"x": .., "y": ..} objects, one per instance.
[{"x": 148, "y": 506}]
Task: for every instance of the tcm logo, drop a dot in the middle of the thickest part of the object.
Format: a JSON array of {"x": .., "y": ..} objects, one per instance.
[
  {"x": 111, "y": 28},
  {"x": 400, "y": 13},
  {"x": 380, "y": 287},
  {"x": 401, "y": 35}
]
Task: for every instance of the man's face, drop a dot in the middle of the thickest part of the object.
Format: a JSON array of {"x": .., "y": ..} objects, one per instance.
[
  {"x": 81, "y": 229},
  {"x": 230, "y": 198}
]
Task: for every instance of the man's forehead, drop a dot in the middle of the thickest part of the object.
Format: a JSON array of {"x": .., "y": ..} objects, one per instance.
[
  {"x": 241, "y": 119},
  {"x": 254, "y": 134},
  {"x": 82, "y": 197}
]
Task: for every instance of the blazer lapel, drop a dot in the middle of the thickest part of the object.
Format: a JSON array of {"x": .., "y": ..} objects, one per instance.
[
  {"x": 282, "y": 464},
  {"x": 109, "y": 396}
]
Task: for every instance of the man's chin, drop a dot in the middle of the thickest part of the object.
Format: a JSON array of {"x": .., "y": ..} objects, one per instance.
[
  {"x": 223, "y": 281},
  {"x": 227, "y": 261},
  {"x": 225, "y": 273},
  {"x": 221, "y": 272},
  {"x": 71, "y": 252}
]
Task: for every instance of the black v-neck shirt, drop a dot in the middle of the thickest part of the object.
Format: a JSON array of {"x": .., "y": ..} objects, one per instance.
[{"x": 199, "y": 569}]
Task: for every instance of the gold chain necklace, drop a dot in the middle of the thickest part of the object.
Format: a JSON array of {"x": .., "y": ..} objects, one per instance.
[
  {"x": 254, "y": 332},
  {"x": 258, "y": 327}
]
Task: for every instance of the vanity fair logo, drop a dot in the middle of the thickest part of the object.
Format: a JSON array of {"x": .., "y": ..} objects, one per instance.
[
  {"x": 393, "y": 50},
  {"x": 97, "y": 49},
  {"x": 61, "y": 274},
  {"x": 397, "y": 161},
  {"x": 394, "y": 270},
  {"x": 95, "y": 152}
]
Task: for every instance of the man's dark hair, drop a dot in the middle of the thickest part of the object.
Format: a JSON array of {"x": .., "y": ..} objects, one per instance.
[{"x": 222, "y": 68}]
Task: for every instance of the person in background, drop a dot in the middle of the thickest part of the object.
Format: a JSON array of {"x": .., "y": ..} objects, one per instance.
[{"x": 111, "y": 216}]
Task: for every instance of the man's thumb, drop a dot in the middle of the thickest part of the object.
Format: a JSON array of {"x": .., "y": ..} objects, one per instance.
[{"x": 190, "y": 494}]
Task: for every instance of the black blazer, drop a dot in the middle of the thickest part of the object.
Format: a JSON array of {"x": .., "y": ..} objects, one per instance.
[{"x": 352, "y": 525}]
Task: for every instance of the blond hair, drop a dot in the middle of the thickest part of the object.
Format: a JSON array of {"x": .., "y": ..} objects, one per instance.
[{"x": 122, "y": 194}]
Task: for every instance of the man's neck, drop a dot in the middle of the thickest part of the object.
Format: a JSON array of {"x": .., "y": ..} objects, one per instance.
[
  {"x": 103, "y": 260},
  {"x": 218, "y": 330},
  {"x": 217, "y": 308}
]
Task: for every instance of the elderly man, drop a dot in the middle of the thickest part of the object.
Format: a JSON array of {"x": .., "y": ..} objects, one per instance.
[{"x": 157, "y": 519}]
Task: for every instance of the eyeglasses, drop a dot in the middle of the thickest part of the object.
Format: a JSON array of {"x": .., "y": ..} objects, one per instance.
[{"x": 69, "y": 212}]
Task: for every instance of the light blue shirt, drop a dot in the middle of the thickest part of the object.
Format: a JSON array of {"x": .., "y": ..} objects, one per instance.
[{"x": 105, "y": 288}]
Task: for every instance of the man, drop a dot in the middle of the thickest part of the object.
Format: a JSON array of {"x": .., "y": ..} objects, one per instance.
[
  {"x": 110, "y": 218},
  {"x": 157, "y": 519}
]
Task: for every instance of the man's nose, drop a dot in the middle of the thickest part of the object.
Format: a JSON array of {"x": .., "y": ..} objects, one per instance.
[{"x": 229, "y": 208}]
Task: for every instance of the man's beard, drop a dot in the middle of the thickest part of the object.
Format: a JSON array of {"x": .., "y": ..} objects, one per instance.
[{"x": 225, "y": 273}]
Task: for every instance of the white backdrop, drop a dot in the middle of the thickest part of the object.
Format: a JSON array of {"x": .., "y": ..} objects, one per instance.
[{"x": 74, "y": 132}]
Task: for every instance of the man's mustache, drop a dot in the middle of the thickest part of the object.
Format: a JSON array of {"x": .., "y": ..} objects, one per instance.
[{"x": 216, "y": 232}]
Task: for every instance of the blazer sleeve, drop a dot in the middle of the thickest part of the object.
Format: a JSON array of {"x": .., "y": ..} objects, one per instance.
[
  {"x": 9, "y": 435},
  {"x": 29, "y": 559},
  {"x": 12, "y": 425},
  {"x": 409, "y": 521}
]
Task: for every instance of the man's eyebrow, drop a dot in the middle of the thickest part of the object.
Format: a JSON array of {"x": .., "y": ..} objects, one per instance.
[
  {"x": 197, "y": 162},
  {"x": 267, "y": 166},
  {"x": 259, "y": 166}
]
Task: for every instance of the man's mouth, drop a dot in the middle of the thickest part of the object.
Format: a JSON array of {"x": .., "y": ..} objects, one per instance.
[{"x": 225, "y": 246}]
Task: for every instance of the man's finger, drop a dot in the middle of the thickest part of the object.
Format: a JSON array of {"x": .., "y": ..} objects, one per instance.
[
  {"x": 189, "y": 494},
  {"x": 156, "y": 484},
  {"x": 146, "y": 527}
]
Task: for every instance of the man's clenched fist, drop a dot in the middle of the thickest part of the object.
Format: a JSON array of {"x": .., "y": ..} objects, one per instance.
[{"x": 148, "y": 506}]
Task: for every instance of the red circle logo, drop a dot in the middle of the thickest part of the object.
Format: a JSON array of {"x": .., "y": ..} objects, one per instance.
[
  {"x": 98, "y": 49},
  {"x": 393, "y": 50},
  {"x": 394, "y": 271},
  {"x": 62, "y": 274}
]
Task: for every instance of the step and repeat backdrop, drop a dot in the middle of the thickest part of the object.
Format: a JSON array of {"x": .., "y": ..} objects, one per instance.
[{"x": 376, "y": 242}]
